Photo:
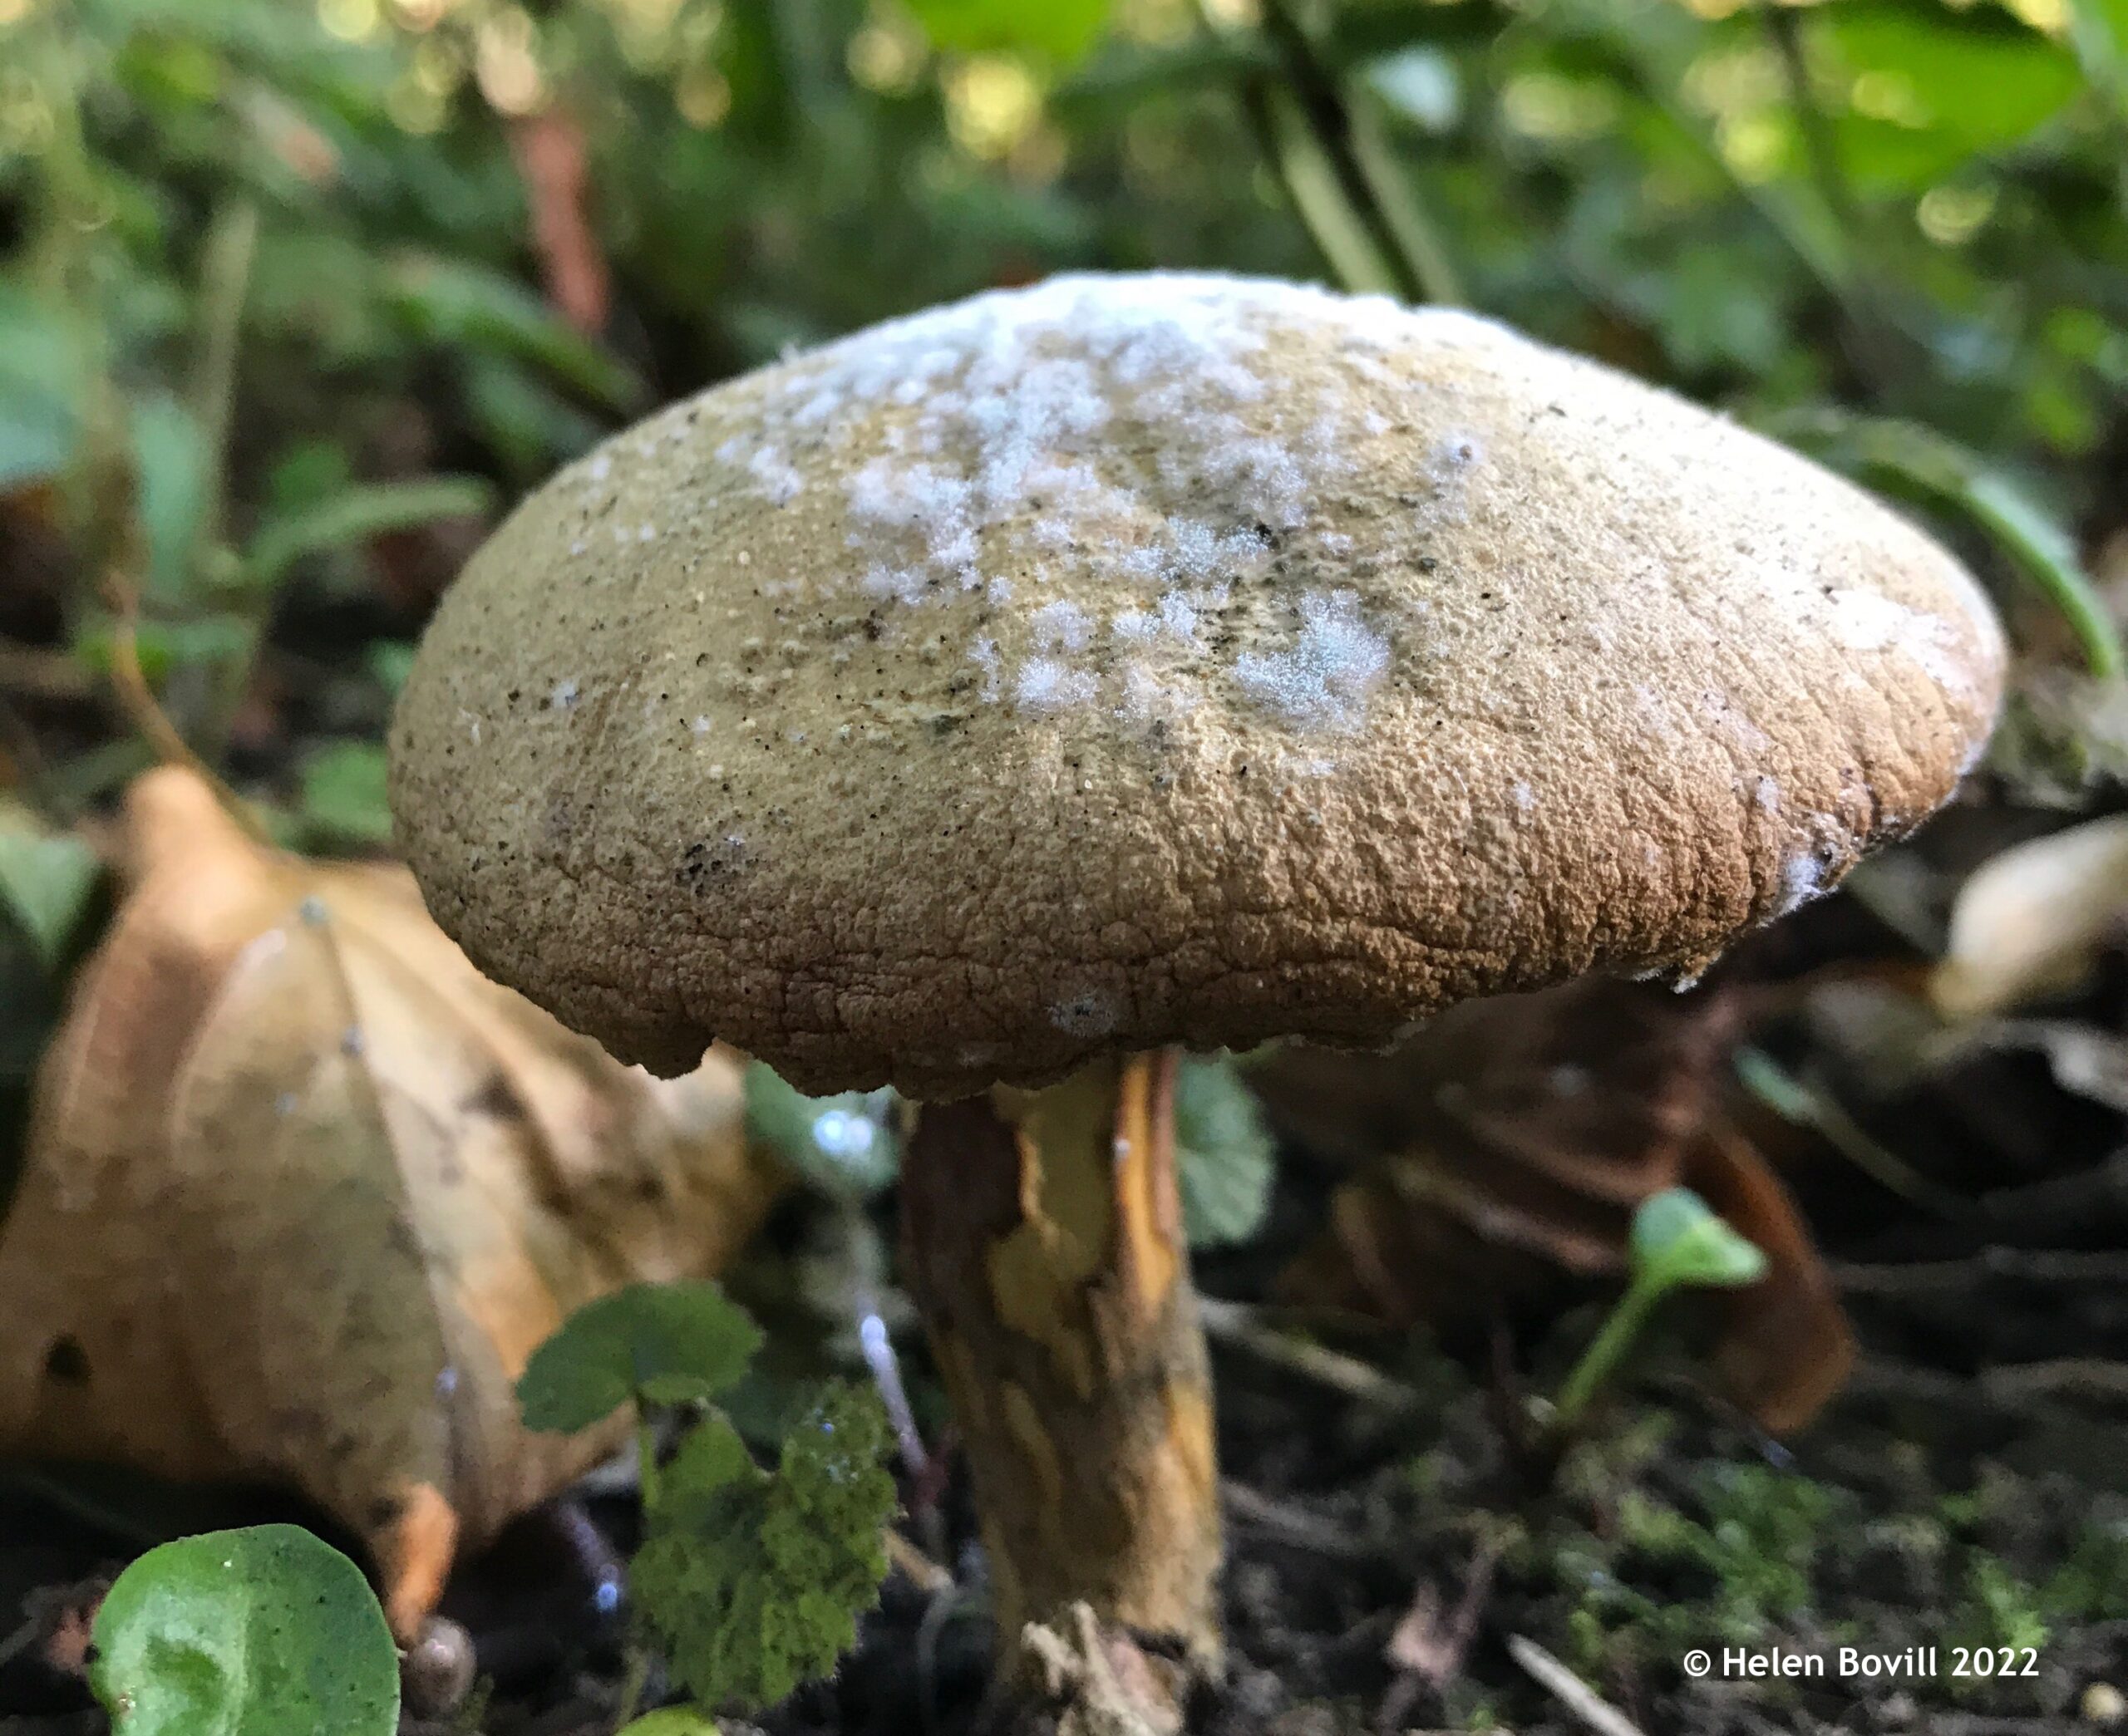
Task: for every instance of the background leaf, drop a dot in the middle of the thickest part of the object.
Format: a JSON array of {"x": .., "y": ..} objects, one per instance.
[
  {"x": 174, "y": 475},
  {"x": 1061, "y": 29},
  {"x": 1225, "y": 1161},
  {"x": 39, "y": 391},
  {"x": 669, "y": 1342},
  {"x": 343, "y": 802},
  {"x": 45, "y": 881},
  {"x": 671, "y": 1721},
  {"x": 1945, "y": 87},
  {"x": 352, "y": 515}
]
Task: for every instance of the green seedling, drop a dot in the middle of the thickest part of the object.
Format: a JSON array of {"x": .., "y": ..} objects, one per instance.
[
  {"x": 749, "y": 1580},
  {"x": 256, "y": 1632},
  {"x": 1678, "y": 1241}
]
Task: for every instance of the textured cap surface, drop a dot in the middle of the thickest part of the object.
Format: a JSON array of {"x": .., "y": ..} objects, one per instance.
[{"x": 1139, "y": 660}]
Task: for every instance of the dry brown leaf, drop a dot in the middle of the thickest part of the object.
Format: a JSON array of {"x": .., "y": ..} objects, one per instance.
[
  {"x": 1787, "y": 1346},
  {"x": 2033, "y": 920},
  {"x": 1522, "y": 1133},
  {"x": 303, "y": 1191}
]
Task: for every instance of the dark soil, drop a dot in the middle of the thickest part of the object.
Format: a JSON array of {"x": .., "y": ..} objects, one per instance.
[{"x": 1927, "y": 1509}]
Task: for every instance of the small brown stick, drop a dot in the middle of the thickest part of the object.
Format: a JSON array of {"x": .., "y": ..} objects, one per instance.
[
  {"x": 2030, "y": 1265},
  {"x": 923, "y": 1572},
  {"x": 1293, "y": 1525},
  {"x": 1429, "y": 1644},
  {"x": 137, "y": 701},
  {"x": 1242, "y": 1327},
  {"x": 2059, "y": 1377}
]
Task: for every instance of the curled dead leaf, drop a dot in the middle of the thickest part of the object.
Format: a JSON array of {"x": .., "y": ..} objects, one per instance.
[
  {"x": 1522, "y": 1132},
  {"x": 304, "y": 1190},
  {"x": 2033, "y": 920}
]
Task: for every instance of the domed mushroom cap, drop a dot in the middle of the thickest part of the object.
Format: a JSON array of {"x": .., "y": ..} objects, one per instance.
[{"x": 1143, "y": 660}]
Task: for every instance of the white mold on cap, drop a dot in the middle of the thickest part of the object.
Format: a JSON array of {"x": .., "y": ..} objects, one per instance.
[{"x": 1321, "y": 680}]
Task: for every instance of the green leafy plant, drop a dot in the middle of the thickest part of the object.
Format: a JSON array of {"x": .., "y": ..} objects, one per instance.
[
  {"x": 749, "y": 1580},
  {"x": 1678, "y": 1242},
  {"x": 256, "y": 1632}
]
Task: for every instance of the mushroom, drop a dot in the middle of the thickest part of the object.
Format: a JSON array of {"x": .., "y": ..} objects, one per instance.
[{"x": 998, "y": 701}]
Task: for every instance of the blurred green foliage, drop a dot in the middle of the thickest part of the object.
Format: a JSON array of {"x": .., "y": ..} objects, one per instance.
[{"x": 294, "y": 293}]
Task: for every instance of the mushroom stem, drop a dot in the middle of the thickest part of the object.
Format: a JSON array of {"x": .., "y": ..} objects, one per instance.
[{"x": 1045, "y": 1249}]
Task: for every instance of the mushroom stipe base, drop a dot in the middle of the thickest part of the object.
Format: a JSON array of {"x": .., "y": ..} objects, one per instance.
[{"x": 1044, "y": 1245}]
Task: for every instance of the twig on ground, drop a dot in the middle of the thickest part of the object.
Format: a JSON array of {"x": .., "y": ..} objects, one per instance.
[
  {"x": 1292, "y": 1525},
  {"x": 2063, "y": 1206},
  {"x": 1568, "y": 1690},
  {"x": 2058, "y": 1377},
  {"x": 137, "y": 699},
  {"x": 1240, "y": 1325},
  {"x": 1431, "y": 1643},
  {"x": 925, "y": 1574},
  {"x": 2030, "y": 1265},
  {"x": 596, "y": 1558}
]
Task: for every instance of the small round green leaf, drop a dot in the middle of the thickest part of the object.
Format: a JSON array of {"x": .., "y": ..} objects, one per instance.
[
  {"x": 1677, "y": 1239},
  {"x": 668, "y": 1343},
  {"x": 265, "y": 1631}
]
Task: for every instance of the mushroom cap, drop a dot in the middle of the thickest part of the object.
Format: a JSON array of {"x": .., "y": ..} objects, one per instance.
[{"x": 1140, "y": 660}]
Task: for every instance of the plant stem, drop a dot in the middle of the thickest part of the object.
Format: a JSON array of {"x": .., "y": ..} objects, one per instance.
[
  {"x": 646, "y": 1454},
  {"x": 1606, "y": 1351},
  {"x": 1358, "y": 207},
  {"x": 1871, "y": 350},
  {"x": 1388, "y": 201},
  {"x": 225, "y": 283},
  {"x": 137, "y": 701},
  {"x": 1310, "y": 179},
  {"x": 636, "y": 1678}
]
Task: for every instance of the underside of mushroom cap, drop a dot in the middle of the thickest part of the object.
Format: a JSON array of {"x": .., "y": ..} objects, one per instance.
[{"x": 1143, "y": 659}]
